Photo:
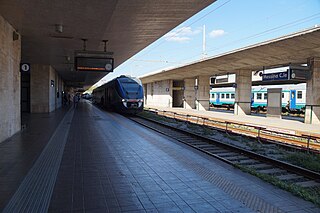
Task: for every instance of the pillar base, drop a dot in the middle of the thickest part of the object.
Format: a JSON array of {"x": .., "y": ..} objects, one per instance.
[
  {"x": 312, "y": 114},
  {"x": 242, "y": 108},
  {"x": 202, "y": 105}
]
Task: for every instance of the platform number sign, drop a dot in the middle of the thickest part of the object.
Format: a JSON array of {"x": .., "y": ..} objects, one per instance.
[{"x": 24, "y": 67}]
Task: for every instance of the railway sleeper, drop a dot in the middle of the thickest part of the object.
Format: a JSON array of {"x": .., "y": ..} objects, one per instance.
[
  {"x": 276, "y": 156},
  {"x": 228, "y": 154},
  {"x": 260, "y": 166},
  {"x": 206, "y": 146},
  {"x": 289, "y": 177},
  {"x": 217, "y": 151},
  {"x": 199, "y": 145},
  {"x": 308, "y": 184},
  {"x": 248, "y": 162},
  {"x": 236, "y": 158},
  {"x": 272, "y": 171}
]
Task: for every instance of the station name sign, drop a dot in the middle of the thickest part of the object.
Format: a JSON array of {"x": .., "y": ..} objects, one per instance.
[
  {"x": 275, "y": 76},
  {"x": 94, "y": 62}
]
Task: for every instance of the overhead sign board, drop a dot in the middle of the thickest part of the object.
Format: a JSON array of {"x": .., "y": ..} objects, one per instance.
[
  {"x": 93, "y": 61},
  {"x": 275, "y": 76},
  {"x": 299, "y": 72},
  {"x": 94, "y": 64}
]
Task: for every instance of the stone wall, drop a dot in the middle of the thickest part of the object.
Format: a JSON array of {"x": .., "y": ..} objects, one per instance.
[{"x": 10, "y": 55}]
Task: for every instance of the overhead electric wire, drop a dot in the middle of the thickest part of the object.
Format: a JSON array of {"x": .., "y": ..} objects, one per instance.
[
  {"x": 296, "y": 22},
  {"x": 177, "y": 32}
]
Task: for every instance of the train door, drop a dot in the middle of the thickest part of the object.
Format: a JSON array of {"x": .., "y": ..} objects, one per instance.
[
  {"x": 293, "y": 99},
  {"x": 217, "y": 98}
]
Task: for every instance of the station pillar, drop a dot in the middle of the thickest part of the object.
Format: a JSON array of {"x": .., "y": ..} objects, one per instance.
[
  {"x": 242, "y": 105},
  {"x": 45, "y": 89},
  {"x": 312, "y": 114},
  {"x": 203, "y": 92},
  {"x": 189, "y": 94},
  {"x": 10, "y": 55}
]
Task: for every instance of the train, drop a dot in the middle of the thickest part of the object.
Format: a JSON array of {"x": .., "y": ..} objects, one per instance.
[
  {"x": 123, "y": 94},
  {"x": 293, "y": 97}
]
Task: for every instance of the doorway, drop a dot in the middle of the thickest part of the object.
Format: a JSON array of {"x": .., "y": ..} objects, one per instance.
[{"x": 25, "y": 92}]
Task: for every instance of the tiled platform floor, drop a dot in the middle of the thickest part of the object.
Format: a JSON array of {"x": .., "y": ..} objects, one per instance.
[{"x": 110, "y": 164}]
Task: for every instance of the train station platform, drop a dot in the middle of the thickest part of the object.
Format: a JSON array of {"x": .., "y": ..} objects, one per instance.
[
  {"x": 276, "y": 124},
  {"x": 85, "y": 159}
]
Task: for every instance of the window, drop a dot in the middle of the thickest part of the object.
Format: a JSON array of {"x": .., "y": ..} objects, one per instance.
[
  {"x": 222, "y": 95},
  {"x": 232, "y": 96},
  {"x": 265, "y": 97},
  {"x": 227, "y": 96},
  {"x": 299, "y": 96},
  {"x": 259, "y": 96},
  {"x": 212, "y": 95},
  {"x": 283, "y": 95}
]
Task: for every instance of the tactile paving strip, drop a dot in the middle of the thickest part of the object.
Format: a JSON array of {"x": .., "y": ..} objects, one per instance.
[{"x": 34, "y": 193}]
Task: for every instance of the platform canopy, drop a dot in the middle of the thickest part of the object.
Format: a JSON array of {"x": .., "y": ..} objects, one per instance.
[
  {"x": 52, "y": 30},
  {"x": 295, "y": 48}
]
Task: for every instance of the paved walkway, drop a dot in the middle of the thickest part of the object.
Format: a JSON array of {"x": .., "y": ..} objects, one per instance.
[
  {"x": 110, "y": 164},
  {"x": 290, "y": 126}
]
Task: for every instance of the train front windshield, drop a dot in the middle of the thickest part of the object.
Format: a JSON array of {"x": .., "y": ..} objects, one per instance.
[{"x": 131, "y": 88}]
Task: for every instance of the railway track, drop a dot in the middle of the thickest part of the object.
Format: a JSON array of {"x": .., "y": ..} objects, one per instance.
[
  {"x": 238, "y": 157},
  {"x": 305, "y": 142}
]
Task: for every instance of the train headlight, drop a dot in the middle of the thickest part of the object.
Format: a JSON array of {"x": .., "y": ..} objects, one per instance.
[
  {"x": 124, "y": 100},
  {"x": 140, "y": 100}
]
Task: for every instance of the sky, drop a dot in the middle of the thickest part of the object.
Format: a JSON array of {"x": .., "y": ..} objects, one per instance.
[{"x": 229, "y": 25}]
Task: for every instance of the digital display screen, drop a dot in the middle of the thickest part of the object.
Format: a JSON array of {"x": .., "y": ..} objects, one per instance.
[{"x": 94, "y": 64}]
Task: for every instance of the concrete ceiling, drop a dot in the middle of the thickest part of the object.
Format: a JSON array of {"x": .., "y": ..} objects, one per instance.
[
  {"x": 129, "y": 26},
  {"x": 295, "y": 48}
]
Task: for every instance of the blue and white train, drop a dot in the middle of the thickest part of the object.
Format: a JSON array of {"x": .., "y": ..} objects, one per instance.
[
  {"x": 293, "y": 97},
  {"x": 123, "y": 94}
]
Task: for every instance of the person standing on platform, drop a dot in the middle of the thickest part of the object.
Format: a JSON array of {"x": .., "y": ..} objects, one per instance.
[{"x": 75, "y": 100}]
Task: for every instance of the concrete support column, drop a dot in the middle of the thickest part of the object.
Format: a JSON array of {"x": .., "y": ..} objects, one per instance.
[
  {"x": 145, "y": 92},
  {"x": 242, "y": 105},
  {"x": 43, "y": 84},
  {"x": 10, "y": 54},
  {"x": 189, "y": 94},
  {"x": 312, "y": 115},
  {"x": 203, "y": 93}
]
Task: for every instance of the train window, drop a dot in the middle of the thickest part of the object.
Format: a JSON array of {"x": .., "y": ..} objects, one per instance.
[
  {"x": 283, "y": 95},
  {"x": 222, "y": 95},
  {"x": 259, "y": 96},
  {"x": 232, "y": 96},
  {"x": 265, "y": 97},
  {"x": 212, "y": 95},
  {"x": 299, "y": 96},
  {"x": 228, "y": 96}
]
